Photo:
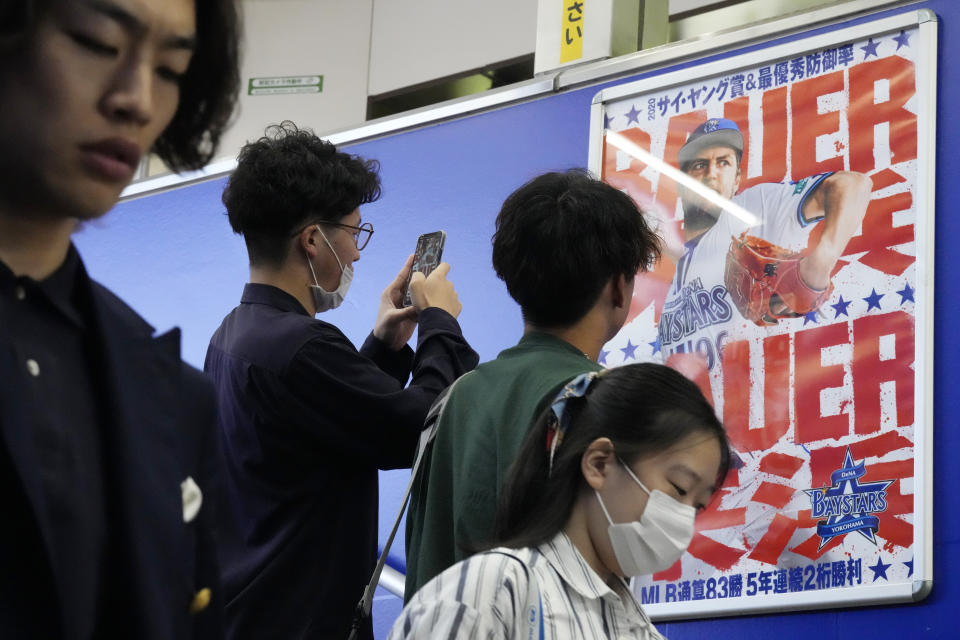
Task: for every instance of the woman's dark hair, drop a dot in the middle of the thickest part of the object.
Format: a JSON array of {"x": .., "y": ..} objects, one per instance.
[
  {"x": 643, "y": 408},
  {"x": 208, "y": 90},
  {"x": 559, "y": 240},
  {"x": 291, "y": 178}
]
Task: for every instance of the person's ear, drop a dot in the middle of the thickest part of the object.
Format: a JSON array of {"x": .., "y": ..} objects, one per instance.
[
  {"x": 621, "y": 291},
  {"x": 596, "y": 461},
  {"x": 309, "y": 240}
]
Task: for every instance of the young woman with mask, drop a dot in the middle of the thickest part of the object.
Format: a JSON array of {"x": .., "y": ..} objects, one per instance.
[{"x": 606, "y": 487}]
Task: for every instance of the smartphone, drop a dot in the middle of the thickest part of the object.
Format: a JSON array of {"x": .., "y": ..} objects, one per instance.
[{"x": 425, "y": 258}]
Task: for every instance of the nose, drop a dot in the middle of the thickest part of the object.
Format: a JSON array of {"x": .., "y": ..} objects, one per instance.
[
  {"x": 129, "y": 97},
  {"x": 713, "y": 170}
]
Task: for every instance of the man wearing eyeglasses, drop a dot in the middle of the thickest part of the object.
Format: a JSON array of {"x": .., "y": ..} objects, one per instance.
[{"x": 306, "y": 419}]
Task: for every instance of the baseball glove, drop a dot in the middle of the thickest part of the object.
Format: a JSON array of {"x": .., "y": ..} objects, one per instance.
[{"x": 764, "y": 281}]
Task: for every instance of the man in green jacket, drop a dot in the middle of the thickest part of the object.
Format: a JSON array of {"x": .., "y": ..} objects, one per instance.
[{"x": 567, "y": 246}]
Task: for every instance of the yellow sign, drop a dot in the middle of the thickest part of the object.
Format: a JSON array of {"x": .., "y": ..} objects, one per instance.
[{"x": 571, "y": 36}]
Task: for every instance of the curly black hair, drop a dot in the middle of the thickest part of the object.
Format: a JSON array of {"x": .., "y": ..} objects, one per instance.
[
  {"x": 559, "y": 240},
  {"x": 288, "y": 179},
  {"x": 208, "y": 90}
]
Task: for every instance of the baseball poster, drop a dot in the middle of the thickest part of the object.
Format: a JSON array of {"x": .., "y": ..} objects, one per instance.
[{"x": 792, "y": 189}]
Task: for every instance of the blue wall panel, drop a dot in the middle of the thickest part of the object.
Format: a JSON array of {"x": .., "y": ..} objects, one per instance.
[{"x": 173, "y": 257}]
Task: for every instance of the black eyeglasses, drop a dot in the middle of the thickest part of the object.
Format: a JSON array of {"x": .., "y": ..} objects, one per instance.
[{"x": 361, "y": 234}]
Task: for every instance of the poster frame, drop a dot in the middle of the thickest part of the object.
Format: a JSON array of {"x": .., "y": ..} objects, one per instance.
[{"x": 927, "y": 25}]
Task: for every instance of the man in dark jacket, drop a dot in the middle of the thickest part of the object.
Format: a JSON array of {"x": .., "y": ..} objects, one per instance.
[
  {"x": 307, "y": 419},
  {"x": 107, "y": 445}
]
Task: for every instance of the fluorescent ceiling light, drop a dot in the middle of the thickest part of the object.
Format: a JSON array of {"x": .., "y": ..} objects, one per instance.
[{"x": 632, "y": 148}]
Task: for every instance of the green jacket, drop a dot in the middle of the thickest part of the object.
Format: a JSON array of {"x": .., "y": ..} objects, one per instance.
[{"x": 454, "y": 498}]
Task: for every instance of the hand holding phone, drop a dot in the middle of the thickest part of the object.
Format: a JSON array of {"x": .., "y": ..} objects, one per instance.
[
  {"x": 435, "y": 291},
  {"x": 425, "y": 259}
]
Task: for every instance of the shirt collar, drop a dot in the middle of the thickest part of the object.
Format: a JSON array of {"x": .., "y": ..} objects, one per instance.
[
  {"x": 570, "y": 565},
  {"x": 566, "y": 560},
  {"x": 63, "y": 289},
  {"x": 540, "y": 340},
  {"x": 690, "y": 245},
  {"x": 254, "y": 293}
]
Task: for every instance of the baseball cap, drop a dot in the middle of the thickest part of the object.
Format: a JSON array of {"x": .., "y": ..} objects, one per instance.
[{"x": 713, "y": 132}]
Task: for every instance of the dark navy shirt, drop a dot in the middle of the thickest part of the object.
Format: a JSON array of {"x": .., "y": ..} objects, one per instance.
[
  {"x": 48, "y": 326},
  {"x": 306, "y": 421}
]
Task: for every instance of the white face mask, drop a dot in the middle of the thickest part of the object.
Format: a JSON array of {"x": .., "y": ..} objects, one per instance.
[
  {"x": 325, "y": 300},
  {"x": 658, "y": 540}
]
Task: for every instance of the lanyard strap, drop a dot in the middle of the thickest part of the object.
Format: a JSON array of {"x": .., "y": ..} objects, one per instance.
[{"x": 426, "y": 437}]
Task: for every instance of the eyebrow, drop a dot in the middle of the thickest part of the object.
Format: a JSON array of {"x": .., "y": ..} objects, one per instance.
[
  {"x": 687, "y": 471},
  {"x": 132, "y": 23},
  {"x": 729, "y": 154}
]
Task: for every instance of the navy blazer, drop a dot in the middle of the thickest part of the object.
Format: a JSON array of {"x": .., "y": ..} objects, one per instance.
[{"x": 159, "y": 430}]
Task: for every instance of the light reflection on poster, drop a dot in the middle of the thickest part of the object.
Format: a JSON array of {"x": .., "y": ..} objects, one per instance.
[{"x": 802, "y": 327}]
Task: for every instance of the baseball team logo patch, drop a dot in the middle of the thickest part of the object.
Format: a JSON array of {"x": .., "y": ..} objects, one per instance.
[{"x": 711, "y": 125}]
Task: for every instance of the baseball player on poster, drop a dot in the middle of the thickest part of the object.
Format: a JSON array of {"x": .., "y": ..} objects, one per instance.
[
  {"x": 730, "y": 274},
  {"x": 740, "y": 282}
]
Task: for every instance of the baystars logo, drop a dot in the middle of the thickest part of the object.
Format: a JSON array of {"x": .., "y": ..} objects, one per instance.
[
  {"x": 849, "y": 503},
  {"x": 711, "y": 125}
]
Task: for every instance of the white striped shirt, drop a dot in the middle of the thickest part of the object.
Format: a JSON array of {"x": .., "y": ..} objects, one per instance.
[{"x": 483, "y": 597}]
